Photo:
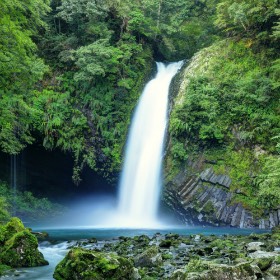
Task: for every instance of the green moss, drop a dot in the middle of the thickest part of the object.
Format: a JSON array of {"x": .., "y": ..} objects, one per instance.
[
  {"x": 165, "y": 244},
  {"x": 167, "y": 256},
  {"x": 19, "y": 246},
  {"x": 85, "y": 264},
  {"x": 149, "y": 258},
  {"x": 277, "y": 260},
  {"x": 196, "y": 265},
  {"x": 222, "y": 244},
  {"x": 264, "y": 263}
]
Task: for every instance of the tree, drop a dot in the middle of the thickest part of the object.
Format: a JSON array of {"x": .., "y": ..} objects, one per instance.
[
  {"x": 246, "y": 18},
  {"x": 20, "y": 70}
]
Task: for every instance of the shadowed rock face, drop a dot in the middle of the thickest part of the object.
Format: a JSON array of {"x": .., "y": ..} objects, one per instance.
[{"x": 205, "y": 199}]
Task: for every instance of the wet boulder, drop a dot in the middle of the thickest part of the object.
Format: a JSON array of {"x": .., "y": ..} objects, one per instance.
[
  {"x": 166, "y": 243},
  {"x": 83, "y": 264},
  {"x": 149, "y": 258},
  {"x": 275, "y": 271},
  {"x": 264, "y": 263},
  {"x": 254, "y": 246},
  {"x": 204, "y": 270},
  {"x": 19, "y": 247}
]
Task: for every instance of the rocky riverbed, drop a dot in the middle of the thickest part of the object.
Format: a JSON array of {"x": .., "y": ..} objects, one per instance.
[{"x": 175, "y": 257}]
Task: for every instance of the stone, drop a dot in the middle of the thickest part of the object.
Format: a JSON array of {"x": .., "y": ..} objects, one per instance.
[
  {"x": 244, "y": 271},
  {"x": 254, "y": 246},
  {"x": 264, "y": 263},
  {"x": 275, "y": 271},
  {"x": 189, "y": 196},
  {"x": 19, "y": 247},
  {"x": 197, "y": 238},
  {"x": 165, "y": 243},
  {"x": 149, "y": 258},
  {"x": 179, "y": 274},
  {"x": 262, "y": 254},
  {"x": 41, "y": 236},
  {"x": 87, "y": 265}
]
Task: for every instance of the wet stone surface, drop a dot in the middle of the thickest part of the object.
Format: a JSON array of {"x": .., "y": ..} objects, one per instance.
[{"x": 172, "y": 256}]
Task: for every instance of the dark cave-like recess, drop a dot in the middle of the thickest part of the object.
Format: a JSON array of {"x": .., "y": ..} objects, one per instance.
[{"x": 49, "y": 174}]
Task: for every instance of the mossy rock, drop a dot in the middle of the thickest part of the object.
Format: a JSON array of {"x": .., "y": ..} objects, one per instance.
[
  {"x": 179, "y": 274},
  {"x": 149, "y": 258},
  {"x": 22, "y": 251},
  {"x": 245, "y": 271},
  {"x": 19, "y": 247},
  {"x": 7, "y": 231},
  {"x": 275, "y": 271},
  {"x": 141, "y": 242},
  {"x": 165, "y": 243},
  {"x": 41, "y": 236},
  {"x": 172, "y": 236},
  {"x": 82, "y": 264},
  {"x": 264, "y": 263},
  {"x": 277, "y": 260},
  {"x": 196, "y": 265}
]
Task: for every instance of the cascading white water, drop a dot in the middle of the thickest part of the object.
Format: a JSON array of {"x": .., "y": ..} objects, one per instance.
[{"x": 141, "y": 178}]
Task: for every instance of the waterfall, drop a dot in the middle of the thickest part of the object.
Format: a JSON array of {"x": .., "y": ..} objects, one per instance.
[{"x": 140, "y": 182}]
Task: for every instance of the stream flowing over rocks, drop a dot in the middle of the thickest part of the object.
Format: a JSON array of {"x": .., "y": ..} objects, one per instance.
[{"x": 175, "y": 257}]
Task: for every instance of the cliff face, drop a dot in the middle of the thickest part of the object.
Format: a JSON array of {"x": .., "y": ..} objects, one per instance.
[
  {"x": 206, "y": 199},
  {"x": 194, "y": 189}
]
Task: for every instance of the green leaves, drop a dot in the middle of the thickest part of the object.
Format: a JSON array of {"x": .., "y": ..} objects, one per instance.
[
  {"x": 246, "y": 18},
  {"x": 19, "y": 67},
  {"x": 97, "y": 59},
  {"x": 17, "y": 120},
  {"x": 268, "y": 182},
  {"x": 28, "y": 207}
]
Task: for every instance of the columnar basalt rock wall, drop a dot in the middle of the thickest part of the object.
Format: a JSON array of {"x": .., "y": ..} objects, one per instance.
[{"x": 206, "y": 199}]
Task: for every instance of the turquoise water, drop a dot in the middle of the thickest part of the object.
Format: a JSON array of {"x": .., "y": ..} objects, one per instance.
[
  {"x": 55, "y": 250},
  {"x": 105, "y": 233}
]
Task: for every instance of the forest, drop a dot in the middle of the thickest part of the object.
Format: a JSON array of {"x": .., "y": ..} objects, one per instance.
[
  {"x": 71, "y": 77},
  {"x": 72, "y": 71}
]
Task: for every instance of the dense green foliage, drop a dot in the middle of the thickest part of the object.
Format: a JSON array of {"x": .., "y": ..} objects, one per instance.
[
  {"x": 71, "y": 73},
  {"x": 99, "y": 55},
  {"x": 25, "y": 206},
  {"x": 230, "y": 109},
  {"x": 18, "y": 246},
  {"x": 20, "y": 69}
]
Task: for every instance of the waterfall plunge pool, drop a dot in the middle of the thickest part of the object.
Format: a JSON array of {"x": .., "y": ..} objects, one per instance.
[{"x": 60, "y": 240}]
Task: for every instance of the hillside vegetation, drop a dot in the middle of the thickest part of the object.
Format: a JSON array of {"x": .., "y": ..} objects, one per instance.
[
  {"x": 71, "y": 73},
  {"x": 229, "y": 109}
]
